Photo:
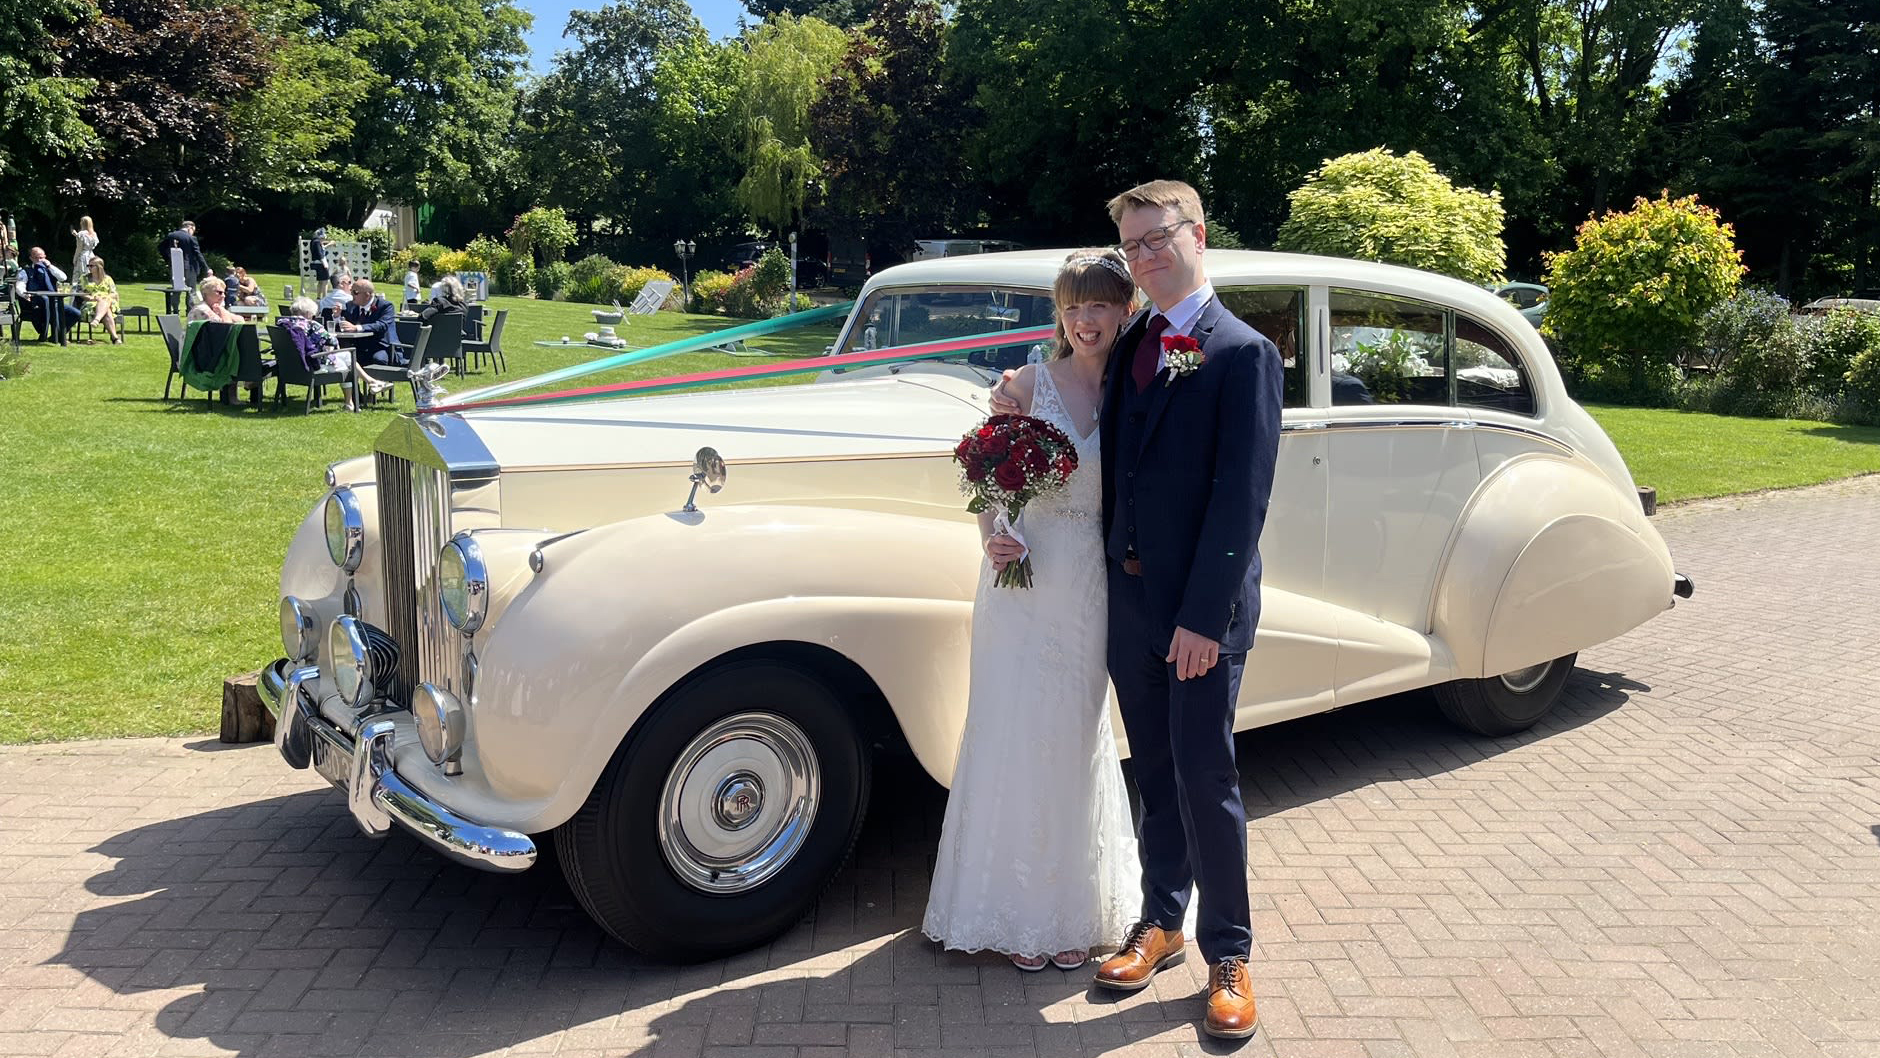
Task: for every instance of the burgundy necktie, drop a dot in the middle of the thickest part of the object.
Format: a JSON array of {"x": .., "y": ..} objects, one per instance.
[{"x": 1148, "y": 352}]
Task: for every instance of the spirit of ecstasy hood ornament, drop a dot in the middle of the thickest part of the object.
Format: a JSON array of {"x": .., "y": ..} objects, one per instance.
[{"x": 424, "y": 381}]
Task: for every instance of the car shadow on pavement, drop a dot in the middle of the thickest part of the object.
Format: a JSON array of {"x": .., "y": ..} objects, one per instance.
[{"x": 275, "y": 926}]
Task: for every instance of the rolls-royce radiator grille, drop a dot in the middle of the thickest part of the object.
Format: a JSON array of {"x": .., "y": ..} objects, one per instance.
[{"x": 414, "y": 522}]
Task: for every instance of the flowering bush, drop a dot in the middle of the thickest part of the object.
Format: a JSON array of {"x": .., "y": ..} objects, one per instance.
[
  {"x": 425, "y": 254},
  {"x": 1861, "y": 388},
  {"x": 454, "y": 261},
  {"x": 1836, "y": 343},
  {"x": 1749, "y": 317},
  {"x": 709, "y": 290},
  {"x": 542, "y": 232},
  {"x": 594, "y": 279},
  {"x": 551, "y": 280},
  {"x": 486, "y": 254}
]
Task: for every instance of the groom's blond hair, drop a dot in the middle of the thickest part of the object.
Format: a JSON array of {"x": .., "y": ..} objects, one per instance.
[{"x": 1161, "y": 194}]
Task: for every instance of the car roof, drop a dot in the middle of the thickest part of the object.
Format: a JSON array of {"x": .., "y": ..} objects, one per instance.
[{"x": 1038, "y": 268}]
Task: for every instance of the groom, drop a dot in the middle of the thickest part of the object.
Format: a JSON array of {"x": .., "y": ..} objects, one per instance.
[{"x": 1189, "y": 444}]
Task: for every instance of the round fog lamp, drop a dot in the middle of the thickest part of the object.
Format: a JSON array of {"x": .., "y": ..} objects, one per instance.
[
  {"x": 297, "y": 631},
  {"x": 440, "y": 719},
  {"x": 345, "y": 530},
  {"x": 352, "y": 663},
  {"x": 463, "y": 584}
]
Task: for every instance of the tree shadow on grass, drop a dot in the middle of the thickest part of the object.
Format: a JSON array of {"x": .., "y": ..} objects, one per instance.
[
  {"x": 284, "y": 929},
  {"x": 1845, "y": 433}
]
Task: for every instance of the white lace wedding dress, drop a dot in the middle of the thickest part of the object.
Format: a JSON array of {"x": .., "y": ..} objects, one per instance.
[{"x": 1037, "y": 854}]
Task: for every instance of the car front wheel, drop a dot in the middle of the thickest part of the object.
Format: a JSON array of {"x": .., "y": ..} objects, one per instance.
[
  {"x": 721, "y": 821},
  {"x": 1505, "y": 704}
]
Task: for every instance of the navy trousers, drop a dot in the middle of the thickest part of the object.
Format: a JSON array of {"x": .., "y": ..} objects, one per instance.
[{"x": 1193, "y": 834}]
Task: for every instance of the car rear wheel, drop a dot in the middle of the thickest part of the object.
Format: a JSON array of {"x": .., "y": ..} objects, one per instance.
[
  {"x": 722, "y": 820},
  {"x": 1505, "y": 704}
]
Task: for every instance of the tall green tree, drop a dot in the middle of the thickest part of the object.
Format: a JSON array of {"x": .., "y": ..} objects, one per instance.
[
  {"x": 436, "y": 120},
  {"x": 41, "y": 115},
  {"x": 889, "y": 127},
  {"x": 845, "y": 13},
  {"x": 282, "y": 150},
  {"x": 1377, "y": 206},
  {"x": 588, "y": 128},
  {"x": 786, "y": 64}
]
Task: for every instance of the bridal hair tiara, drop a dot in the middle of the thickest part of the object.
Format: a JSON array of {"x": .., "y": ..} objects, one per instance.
[{"x": 1119, "y": 268}]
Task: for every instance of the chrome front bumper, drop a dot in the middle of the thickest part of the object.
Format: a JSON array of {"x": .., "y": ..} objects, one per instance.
[{"x": 360, "y": 763}]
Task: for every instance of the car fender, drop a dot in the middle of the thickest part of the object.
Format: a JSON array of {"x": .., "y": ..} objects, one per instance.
[
  {"x": 574, "y": 660},
  {"x": 1548, "y": 558},
  {"x": 308, "y": 572}
]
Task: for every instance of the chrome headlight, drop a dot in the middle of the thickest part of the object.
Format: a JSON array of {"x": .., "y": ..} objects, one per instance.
[
  {"x": 440, "y": 719},
  {"x": 345, "y": 530},
  {"x": 297, "y": 631},
  {"x": 352, "y": 663},
  {"x": 463, "y": 584}
]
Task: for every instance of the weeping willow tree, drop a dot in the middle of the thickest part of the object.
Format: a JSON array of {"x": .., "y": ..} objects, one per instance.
[{"x": 783, "y": 74}]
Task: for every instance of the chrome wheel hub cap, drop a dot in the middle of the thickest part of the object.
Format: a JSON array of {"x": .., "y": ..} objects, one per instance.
[
  {"x": 1523, "y": 681},
  {"x": 739, "y": 803}
]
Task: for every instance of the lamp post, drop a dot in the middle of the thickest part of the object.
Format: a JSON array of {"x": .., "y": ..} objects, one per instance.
[
  {"x": 792, "y": 306},
  {"x": 685, "y": 249}
]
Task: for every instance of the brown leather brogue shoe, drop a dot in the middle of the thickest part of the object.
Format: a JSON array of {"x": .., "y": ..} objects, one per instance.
[
  {"x": 1146, "y": 949},
  {"x": 1231, "y": 1014}
]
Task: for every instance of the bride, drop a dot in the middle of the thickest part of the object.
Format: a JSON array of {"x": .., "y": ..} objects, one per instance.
[{"x": 1037, "y": 859}]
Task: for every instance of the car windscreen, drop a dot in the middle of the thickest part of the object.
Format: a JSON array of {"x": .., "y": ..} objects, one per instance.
[{"x": 895, "y": 316}]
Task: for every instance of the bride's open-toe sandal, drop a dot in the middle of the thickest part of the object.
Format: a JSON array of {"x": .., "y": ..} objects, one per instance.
[
  {"x": 1070, "y": 960},
  {"x": 1031, "y": 964}
]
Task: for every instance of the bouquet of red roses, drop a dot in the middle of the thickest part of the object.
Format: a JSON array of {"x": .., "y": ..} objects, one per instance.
[{"x": 1008, "y": 462}]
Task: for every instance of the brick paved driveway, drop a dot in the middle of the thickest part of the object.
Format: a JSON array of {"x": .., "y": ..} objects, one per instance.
[{"x": 1684, "y": 860}]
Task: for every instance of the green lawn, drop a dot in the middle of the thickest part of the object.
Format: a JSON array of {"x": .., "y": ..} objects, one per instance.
[
  {"x": 142, "y": 538},
  {"x": 1689, "y": 455}
]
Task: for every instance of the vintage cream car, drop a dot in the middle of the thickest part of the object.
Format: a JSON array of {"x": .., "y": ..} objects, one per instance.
[{"x": 510, "y": 623}]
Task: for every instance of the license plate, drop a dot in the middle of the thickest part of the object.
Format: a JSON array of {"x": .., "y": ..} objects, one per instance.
[{"x": 334, "y": 764}]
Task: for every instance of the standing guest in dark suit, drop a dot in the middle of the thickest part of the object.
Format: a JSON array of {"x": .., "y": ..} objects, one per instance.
[
  {"x": 195, "y": 265},
  {"x": 1190, "y": 427},
  {"x": 375, "y": 316},
  {"x": 316, "y": 260}
]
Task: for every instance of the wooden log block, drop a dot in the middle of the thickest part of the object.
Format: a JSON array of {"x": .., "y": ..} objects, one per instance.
[{"x": 244, "y": 718}]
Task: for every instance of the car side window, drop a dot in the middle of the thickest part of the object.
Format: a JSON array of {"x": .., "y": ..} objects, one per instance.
[
  {"x": 1488, "y": 372},
  {"x": 908, "y": 317},
  {"x": 1278, "y": 313},
  {"x": 1387, "y": 350}
]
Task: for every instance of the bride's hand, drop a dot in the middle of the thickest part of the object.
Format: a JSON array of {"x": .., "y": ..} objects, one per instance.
[
  {"x": 1001, "y": 398},
  {"x": 1003, "y": 550}
]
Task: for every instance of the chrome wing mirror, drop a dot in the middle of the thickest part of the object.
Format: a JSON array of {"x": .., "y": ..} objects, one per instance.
[{"x": 708, "y": 469}]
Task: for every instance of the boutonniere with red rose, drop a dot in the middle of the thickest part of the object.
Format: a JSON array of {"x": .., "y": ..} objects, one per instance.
[{"x": 1183, "y": 356}]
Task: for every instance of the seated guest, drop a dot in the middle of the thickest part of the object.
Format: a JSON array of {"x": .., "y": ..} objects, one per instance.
[
  {"x": 337, "y": 298},
  {"x": 374, "y": 316},
  {"x": 40, "y": 274},
  {"x": 101, "y": 298},
  {"x": 246, "y": 291},
  {"x": 213, "y": 306},
  {"x": 322, "y": 353},
  {"x": 448, "y": 298}
]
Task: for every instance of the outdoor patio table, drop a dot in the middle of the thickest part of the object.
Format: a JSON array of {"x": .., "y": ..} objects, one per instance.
[
  {"x": 58, "y": 309},
  {"x": 170, "y": 294},
  {"x": 249, "y": 312}
]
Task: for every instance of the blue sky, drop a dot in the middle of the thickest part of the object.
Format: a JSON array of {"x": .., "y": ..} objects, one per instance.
[{"x": 551, "y": 16}]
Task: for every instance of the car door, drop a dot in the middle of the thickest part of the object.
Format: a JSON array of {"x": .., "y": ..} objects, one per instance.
[
  {"x": 1404, "y": 467},
  {"x": 1289, "y": 672}
]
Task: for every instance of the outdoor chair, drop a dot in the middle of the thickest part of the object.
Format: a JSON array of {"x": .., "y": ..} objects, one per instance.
[
  {"x": 492, "y": 349},
  {"x": 141, "y": 313},
  {"x": 420, "y": 347},
  {"x": 291, "y": 370},
  {"x": 9, "y": 326},
  {"x": 447, "y": 340},
  {"x": 473, "y": 322},
  {"x": 171, "y": 327}
]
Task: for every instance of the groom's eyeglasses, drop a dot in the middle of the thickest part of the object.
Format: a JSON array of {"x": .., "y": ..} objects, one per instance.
[{"x": 1153, "y": 240}]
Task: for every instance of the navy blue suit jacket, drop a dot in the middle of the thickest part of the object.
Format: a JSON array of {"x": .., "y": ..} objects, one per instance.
[
  {"x": 377, "y": 318},
  {"x": 1204, "y": 474}
]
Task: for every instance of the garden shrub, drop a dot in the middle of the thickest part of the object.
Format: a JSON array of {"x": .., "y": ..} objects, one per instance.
[
  {"x": 1747, "y": 318},
  {"x": 452, "y": 261},
  {"x": 800, "y": 303},
  {"x": 634, "y": 280},
  {"x": 1860, "y": 391},
  {"x": 1769, "y": 377},
  {"x": 219, "y": 263},
  {"x": 551, "y": 280},
  {"x": 486, "y": 254},
  {"x": 594, "y": 279},
  {"x": 425, "y": 254},
  {"x": 1628, "y": 298},
  {"x": 1840, "y": 338},
  {"x": 542, "y": 233},
  {"x": 1377, "y": 206},
  {"x": 757, "y": 292},
  {"x": 709, "y": 289},
  {"x": 513, "y": 275}
]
